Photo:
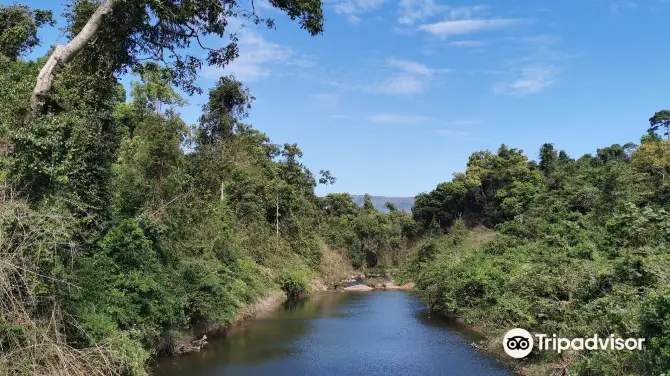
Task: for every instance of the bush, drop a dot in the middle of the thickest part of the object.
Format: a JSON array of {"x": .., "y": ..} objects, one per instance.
[{"x": 294, "y": 283}]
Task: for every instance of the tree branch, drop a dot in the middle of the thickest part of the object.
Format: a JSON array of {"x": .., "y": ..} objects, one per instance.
[{"x": 61, "y": 56}]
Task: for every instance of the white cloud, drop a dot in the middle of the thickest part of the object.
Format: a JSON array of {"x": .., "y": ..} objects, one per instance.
[
  {"x": 258, "y": 57},
  {"x": 535, "y": 71},
  {"x": 464, "y": 11},
  {"x": 389, "y": 118},
  {"x": 467, "y": 43},
  {"x": 410, "y": 77},
  {"x": 529, "y": 80},
  {"x": 411, "y": 11},
  {"x": 400, "y": 84},
  {"x": 410, "y": 67},
  {"x": 352, "y": 9},
  {"x": 393, "y": 76},
  {"x": 448, "y": 28},
  {"x": 616, "y": 7}
]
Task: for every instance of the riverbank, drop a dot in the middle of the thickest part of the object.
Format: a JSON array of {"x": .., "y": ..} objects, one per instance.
[
  {"x": 323, "y": 335},
  {"x": 195, "y": 340},
  {"x": 386, "y": 286},
  {"x": 448, "y": 269},
  {"x": 492, "y": 345}
]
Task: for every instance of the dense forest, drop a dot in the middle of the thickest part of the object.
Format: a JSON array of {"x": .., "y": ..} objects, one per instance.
[
  {"x": 125, "y": 231},
  {"x": 580, "y": 248}
]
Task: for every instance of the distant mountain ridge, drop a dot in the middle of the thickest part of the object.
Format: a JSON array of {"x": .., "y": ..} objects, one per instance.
[{"x": 402, "y": 203}]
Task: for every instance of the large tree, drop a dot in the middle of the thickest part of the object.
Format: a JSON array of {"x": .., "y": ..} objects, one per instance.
[
  {"x": 661, "y": 119},
  {"x": 159, "y": 30}
]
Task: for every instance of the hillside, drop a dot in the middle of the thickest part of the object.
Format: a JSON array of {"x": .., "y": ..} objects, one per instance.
[{"x": 403, "y": 203}]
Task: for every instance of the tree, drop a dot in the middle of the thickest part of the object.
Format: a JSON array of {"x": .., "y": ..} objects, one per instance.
[
  {"x": 661, "y": 119},
  {"x": 391, "y": 206},
  {"x": 339, "y": 204},
  {"x": 548, "y": 159},
  {"x": 18, "y": 29},
  {"x": 155, "y": 90},
  {"x": 368, "y": 206},
  {"x": 229, "y": 103},
  {"x": 326, "y": 178},
  {"x": 653, "y": 157},
  {"x": 158, "y": 30}
]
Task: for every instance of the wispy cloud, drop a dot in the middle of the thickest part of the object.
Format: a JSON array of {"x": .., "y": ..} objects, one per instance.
[
  {"x": 392, "y": 76},
  {"x": 411, "y": 67},
  {"x": 467, "y": 43},
  {"x": 410, "y": 77},
  {"x": 412, "y": 11},
  {"x": 390, "y": 118},
  {"x": 353, "y": 9},
  {"x": 619, "y": 6},
  {"x": 529, "y": 80},
  {"x": 537, "y": 69},
  {"x": 400, "y": 84},
  {"x": 448, "y": 28},
  {"x": 325, "y": 100},
  {"x": 258, "y": 57}
]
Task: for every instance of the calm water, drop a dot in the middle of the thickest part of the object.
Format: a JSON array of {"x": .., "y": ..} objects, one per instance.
[{"x": 365, "y": 333}]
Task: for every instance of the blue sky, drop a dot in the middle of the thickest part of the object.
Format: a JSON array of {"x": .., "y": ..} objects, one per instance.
[{"x": 395, "y": 95}]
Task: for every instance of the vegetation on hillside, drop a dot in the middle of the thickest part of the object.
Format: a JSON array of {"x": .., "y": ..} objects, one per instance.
[
  {"x": 580, "y": 248},
  {"x": 381, "y": 202},
  {"x": 122, "y": 228}
]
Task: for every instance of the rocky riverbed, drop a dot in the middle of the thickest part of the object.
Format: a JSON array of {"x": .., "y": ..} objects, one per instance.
[{"x": 369, "y": 283}]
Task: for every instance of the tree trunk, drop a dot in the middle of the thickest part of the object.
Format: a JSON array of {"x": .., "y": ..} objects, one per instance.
[{"x": 61, "y": 56}]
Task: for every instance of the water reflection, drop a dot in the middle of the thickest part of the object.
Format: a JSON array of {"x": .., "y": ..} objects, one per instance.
[
  {"x": 379, "y": 333},
  {"x": 440, "y": 322}
]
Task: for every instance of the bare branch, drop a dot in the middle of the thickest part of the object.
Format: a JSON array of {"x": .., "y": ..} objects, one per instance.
[{"x": 61, "y": 56}]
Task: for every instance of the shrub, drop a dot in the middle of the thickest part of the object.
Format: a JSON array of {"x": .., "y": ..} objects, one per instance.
[{"x": 294, "y": 283}]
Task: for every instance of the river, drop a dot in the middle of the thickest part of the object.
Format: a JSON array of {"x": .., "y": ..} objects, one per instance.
[{"x": 348, "y": 333}]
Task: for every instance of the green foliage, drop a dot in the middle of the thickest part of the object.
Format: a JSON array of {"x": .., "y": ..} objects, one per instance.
[
  {"x": 130, "y": 35},
  {"x": 661, "y": 119},
  {"x": 580, "y": 249},
  {"x": 370, "y": 238},
  {"x": 494, "y": 188},
  {"x": 18, "y": 29},
  {"x": 120, "y": 226},
  {"x": 294, "y": 283}
]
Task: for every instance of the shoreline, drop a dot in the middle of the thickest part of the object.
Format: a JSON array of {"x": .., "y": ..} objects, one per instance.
[
  {"x": 197, "y": 338},
  {"x": 489, "y": 344}
]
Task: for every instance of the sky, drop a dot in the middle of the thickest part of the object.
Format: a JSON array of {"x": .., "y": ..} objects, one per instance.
[{"x": 394, "y": 96}]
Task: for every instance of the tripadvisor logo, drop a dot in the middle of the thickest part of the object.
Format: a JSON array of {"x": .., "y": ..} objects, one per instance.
[{"x": 518, "y": 343}]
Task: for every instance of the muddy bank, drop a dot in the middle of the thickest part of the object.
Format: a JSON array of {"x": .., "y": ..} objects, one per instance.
[
  {"x": 198, "y": 338},
  {"x": 195, "y": 340},
  {"x": 384, "y": 286}
]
